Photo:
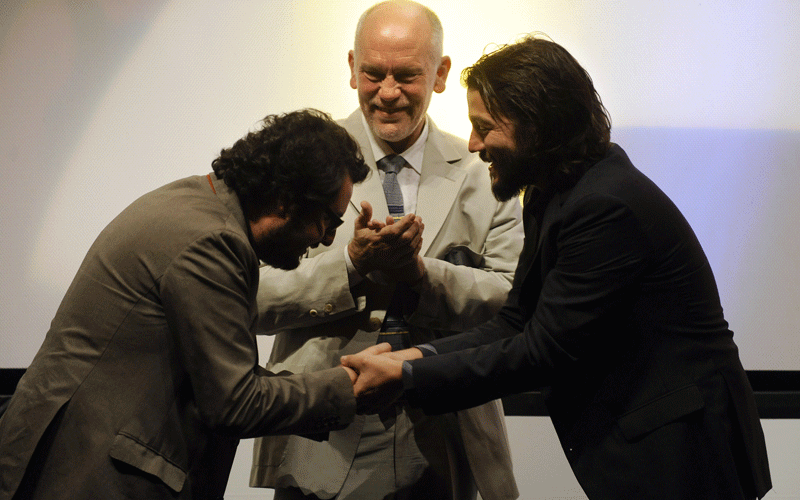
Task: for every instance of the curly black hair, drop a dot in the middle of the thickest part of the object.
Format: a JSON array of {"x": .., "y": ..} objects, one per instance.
[
  {"x": 296, "y": 160},
  {"x": 559, "y": 117}
]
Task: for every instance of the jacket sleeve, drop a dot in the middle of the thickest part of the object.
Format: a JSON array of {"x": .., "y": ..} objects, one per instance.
[
  {"x": 464, "y": 291},
  {"x": 600, "y": 250},
  {"x": 208, "y": 295},
  {"x": 317, "y": 291}
]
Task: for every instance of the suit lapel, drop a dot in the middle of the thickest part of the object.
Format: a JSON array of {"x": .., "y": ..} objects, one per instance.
[
  {"x": 439, "y": 184},
  {"x": 536, "y": 232},
  {"x": 371, "y": 189}
]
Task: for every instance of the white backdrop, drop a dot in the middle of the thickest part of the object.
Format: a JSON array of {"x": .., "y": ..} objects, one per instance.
[{"x": 101, "y": 101}]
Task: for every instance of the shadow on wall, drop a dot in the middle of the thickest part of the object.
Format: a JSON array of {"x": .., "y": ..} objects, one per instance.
[
  {"x": 737, "y": 188},
  {"x": 57, "y": 87}
]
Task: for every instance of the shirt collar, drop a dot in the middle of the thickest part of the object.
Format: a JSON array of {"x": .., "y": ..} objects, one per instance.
[{"x": 413, "y": 155}]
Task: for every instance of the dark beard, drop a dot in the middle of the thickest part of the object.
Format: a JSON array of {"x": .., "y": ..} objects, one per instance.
[
  {"x": 503, "y": 190},
  {"x": 282, "y": 248},
  {"x": 511, "y": 174}
]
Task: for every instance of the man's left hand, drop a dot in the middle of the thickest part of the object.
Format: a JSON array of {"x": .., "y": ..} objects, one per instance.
[{"x": 380, "y": 377}]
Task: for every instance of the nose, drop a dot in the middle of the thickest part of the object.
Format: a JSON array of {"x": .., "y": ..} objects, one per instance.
[
  {"x": 475, "y": 142},
  {"x": 327, "y": 237},
  {"x": 390, "y": 89}
]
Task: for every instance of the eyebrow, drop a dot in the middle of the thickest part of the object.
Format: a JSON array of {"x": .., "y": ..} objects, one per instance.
[
  {"x": 401, "y": 71},
  {"x": 481, "y": 121}
]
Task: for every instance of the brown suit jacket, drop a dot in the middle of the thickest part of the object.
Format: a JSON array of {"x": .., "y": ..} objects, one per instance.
[{"x": 149, "y": 374}]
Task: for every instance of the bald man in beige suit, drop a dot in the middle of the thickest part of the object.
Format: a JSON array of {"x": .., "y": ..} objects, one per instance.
[{"x": 335, "y": 302}]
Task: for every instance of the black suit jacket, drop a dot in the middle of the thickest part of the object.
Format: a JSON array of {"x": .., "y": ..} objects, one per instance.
[{"x": 615, "y": 313}]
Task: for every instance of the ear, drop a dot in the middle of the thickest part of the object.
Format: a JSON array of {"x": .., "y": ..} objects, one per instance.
[
  {"x": 351, "y": 60},
  {"x": 284, "y": 209},
  {"x": 441, "y": 75},
  {"x": 278, "y": 209}
]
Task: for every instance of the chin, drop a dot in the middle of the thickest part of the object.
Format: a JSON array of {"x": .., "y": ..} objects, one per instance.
[
  {"x": 283, "y": 262},
  {"x": 503, "y": 191},
  {"x": 391, "y": 132},
  {"x": 279, "y": 257}
]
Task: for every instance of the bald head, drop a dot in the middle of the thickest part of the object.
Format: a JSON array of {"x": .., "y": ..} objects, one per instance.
[
  {"x": 404, "y": 15},
  {"x": 396, "y": 65}
]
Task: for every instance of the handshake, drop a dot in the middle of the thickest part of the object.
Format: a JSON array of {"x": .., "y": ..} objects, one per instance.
[{"x": 377, "y": 375}]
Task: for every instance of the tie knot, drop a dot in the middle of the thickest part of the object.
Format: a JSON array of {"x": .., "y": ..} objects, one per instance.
[{"x": 391, "y": 164}]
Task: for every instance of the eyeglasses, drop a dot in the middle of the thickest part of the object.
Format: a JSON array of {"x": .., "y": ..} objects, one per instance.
[{"x": 332, "y": 221}]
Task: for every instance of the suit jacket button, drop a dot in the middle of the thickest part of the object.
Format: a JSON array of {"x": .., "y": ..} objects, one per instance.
[{"x": 374, "y": 324}]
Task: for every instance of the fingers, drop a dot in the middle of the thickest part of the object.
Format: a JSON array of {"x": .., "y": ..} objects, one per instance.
[
  {"x": 378, "y": 348},
  {"x": 405, "y": 232},
  {"x": 365, "y": 216},
  {"x": 357, "y": 361},
  {"x": 416, "y": 242},
  {"x": 354, "y": 362},
  {"x": 352, "y": 374},
  {"x": 379, "y": 377}
]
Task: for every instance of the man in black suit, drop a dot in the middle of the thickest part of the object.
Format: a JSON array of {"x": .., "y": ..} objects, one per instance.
[{"x": 614, "y": 311}]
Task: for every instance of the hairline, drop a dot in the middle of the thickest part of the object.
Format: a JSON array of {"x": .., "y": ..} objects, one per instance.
[{"x": 436, "y": 47}]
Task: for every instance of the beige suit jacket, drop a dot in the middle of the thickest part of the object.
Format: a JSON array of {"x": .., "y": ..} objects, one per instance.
[
  {"x": 149, "y": 374},
  {"x": 319, "y": 317}
]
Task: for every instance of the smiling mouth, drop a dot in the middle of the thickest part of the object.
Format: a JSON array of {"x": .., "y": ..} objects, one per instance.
[{"x": 388, "y": 111}]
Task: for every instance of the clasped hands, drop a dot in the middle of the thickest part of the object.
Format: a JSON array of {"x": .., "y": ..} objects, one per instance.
[
  {"x": 378, "y": 374},
  {"x": 392, "y": 247}
]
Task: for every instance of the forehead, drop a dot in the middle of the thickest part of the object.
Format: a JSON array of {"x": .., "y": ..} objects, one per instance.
[
  {"x": 395, "y": 60},
  {"x": 476, "y": 106},
  {"x": 479, "y": 113},
  {"x": 394, "y": 42}
]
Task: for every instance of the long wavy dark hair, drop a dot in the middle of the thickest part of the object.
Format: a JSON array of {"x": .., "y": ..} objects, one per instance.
[
  {"x": 296, "y": 160},
  {"x": 560, "y": 120}
]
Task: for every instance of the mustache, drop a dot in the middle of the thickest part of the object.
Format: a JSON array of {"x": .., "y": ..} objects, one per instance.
[{"x": 387, "y": 109}]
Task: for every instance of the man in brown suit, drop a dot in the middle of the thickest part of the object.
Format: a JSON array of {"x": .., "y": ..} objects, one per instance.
[{"x": 149, "y": 374}]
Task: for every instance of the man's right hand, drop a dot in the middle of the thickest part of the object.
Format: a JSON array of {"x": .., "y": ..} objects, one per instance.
[
  {"x": 378, "y": 247},
  {"x": 380, "y": 373}
]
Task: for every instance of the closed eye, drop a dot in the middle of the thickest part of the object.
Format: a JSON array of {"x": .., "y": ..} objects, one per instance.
[{"x": 374, "y": 77}]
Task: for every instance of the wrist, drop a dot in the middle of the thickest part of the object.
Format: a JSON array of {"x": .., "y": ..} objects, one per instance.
[
  {"x": 355, "y": 260},
  {"x": 417, "y": 282},
  {"x": 412, "y": 353}
]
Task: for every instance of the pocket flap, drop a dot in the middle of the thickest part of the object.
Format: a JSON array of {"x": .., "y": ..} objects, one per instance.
[
  {"x": 128, "y": 450},
  {"x": 660, "y": 412}
]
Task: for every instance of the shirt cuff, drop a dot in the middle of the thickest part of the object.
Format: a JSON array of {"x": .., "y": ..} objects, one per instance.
[
  {"x": 408, "y": 370},
  {"x": 427, "y": 349},
  {"x": 408, "y": 376}
]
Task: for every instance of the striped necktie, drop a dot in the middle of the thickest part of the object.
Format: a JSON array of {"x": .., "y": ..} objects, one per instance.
[{"x": 391, "y": 165}]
